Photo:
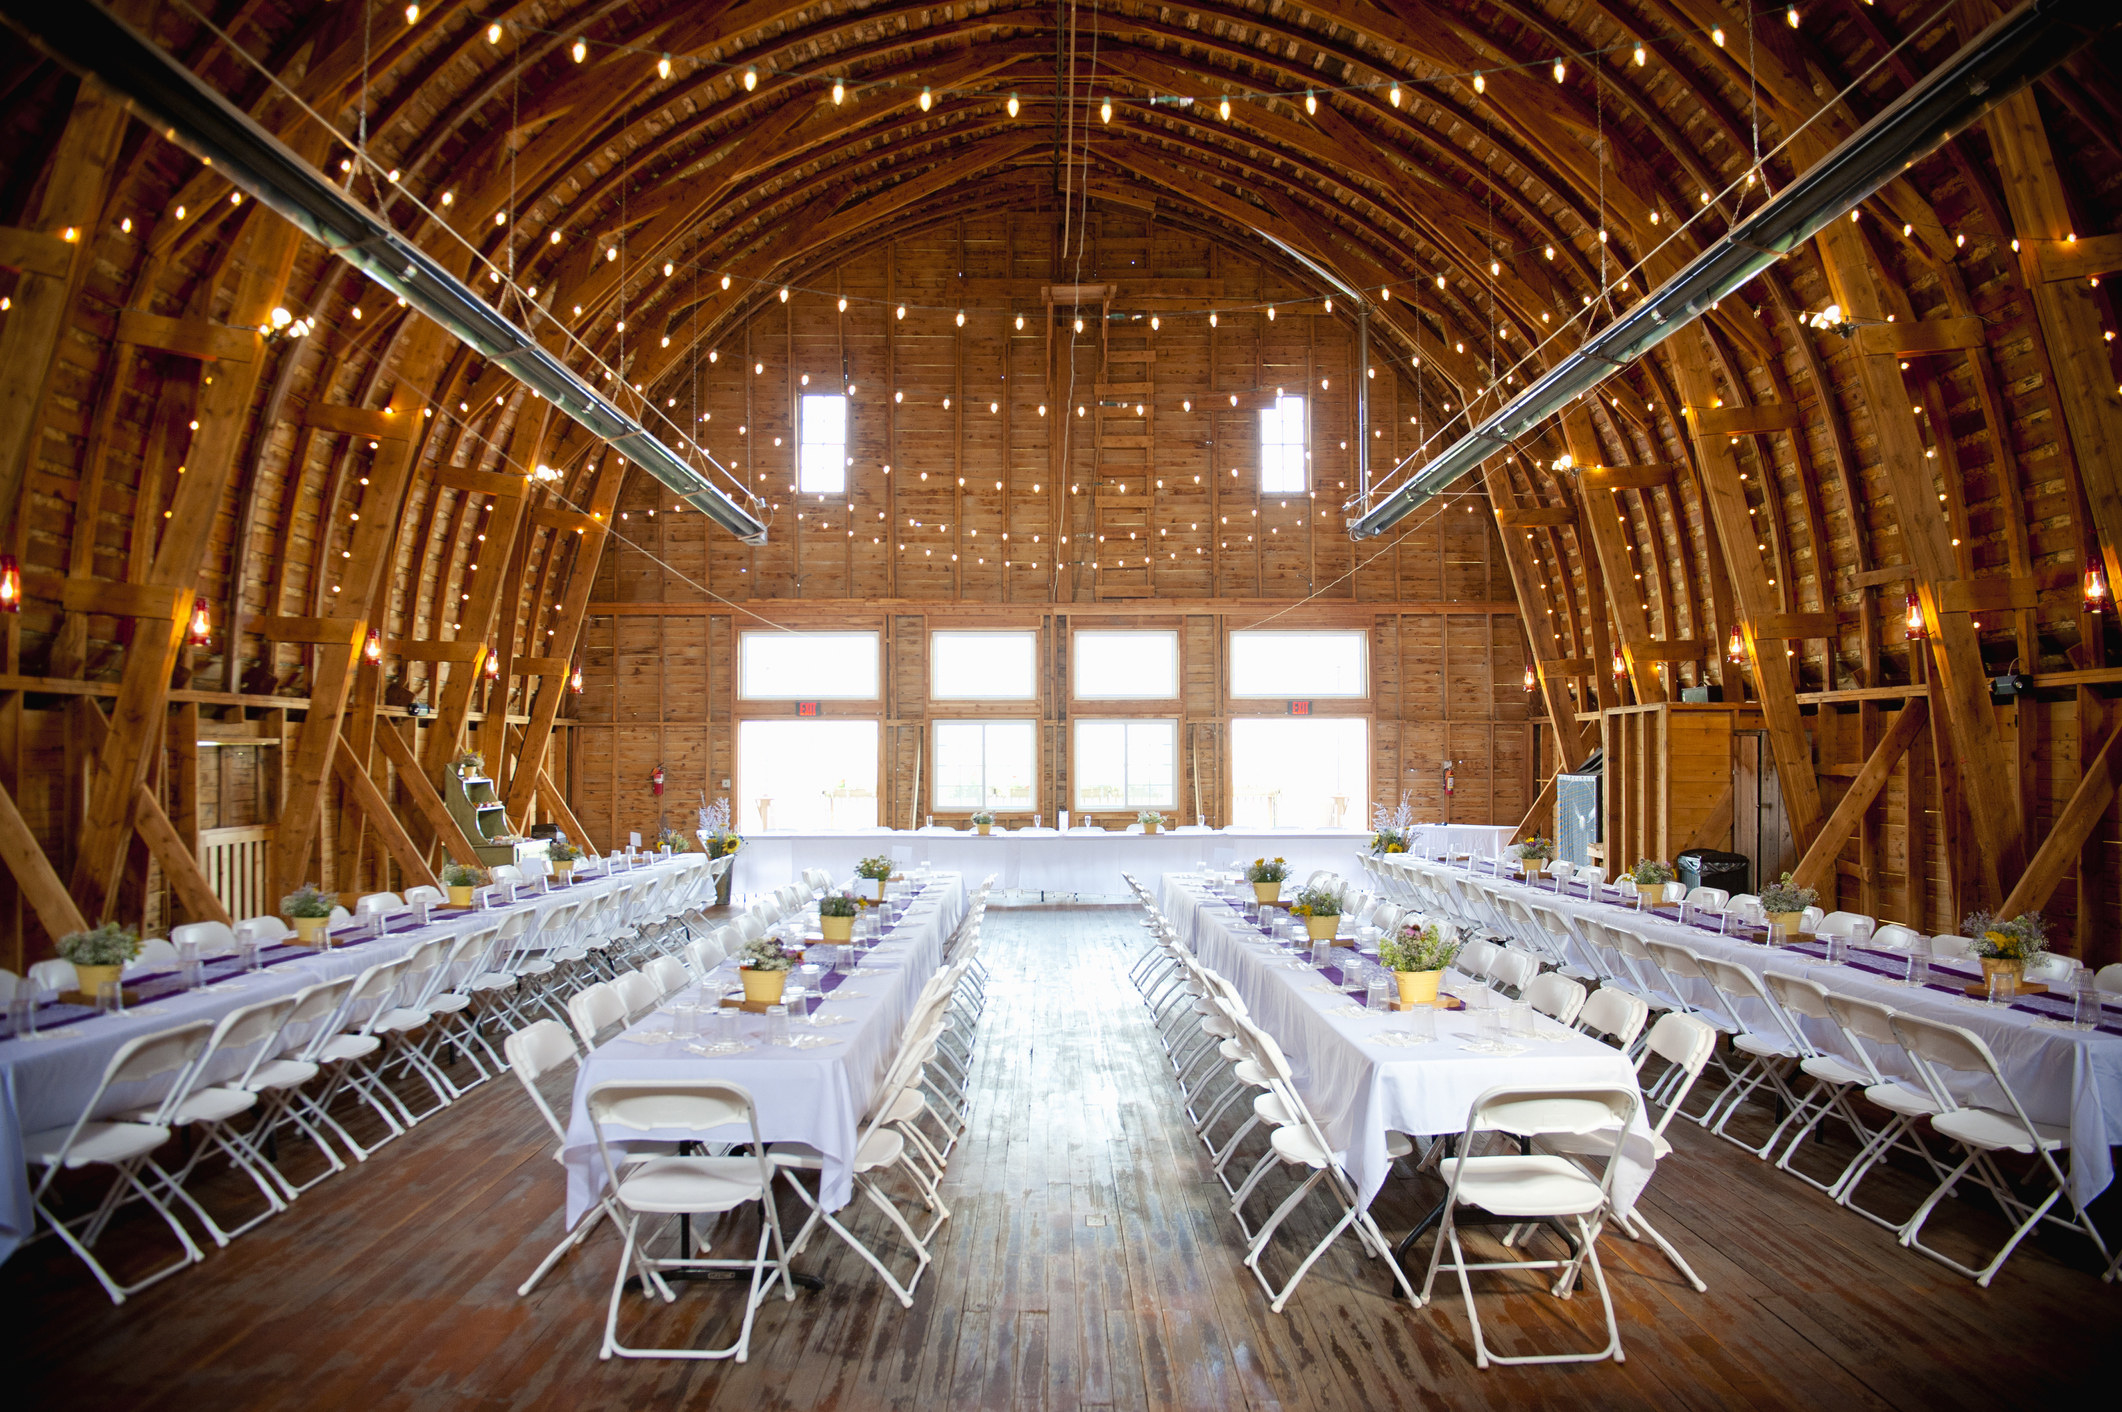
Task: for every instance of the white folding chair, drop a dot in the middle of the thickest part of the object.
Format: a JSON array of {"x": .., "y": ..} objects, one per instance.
[
  {"x": 533, "y": 1052},
  {"x": 593, "y": 1010},
  {"x": 696, "y": 1110},
  {"x": 1556, "y": 996}
]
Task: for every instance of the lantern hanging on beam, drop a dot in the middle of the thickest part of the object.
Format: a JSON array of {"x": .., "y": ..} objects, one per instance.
[
  {"x": 493, "y": 666},
  {"x": 1916, "y": 627},
  {"x": 574, "y": 680},
  {"x": 202, "y": 624},
  {"x": 1735, "y": 650},
  {"x": 372, "y": 649},
  {"x": 1532, "y": 678},
  {"x": 2095, "y": 589},
  {"x": 10, "y": 584},
  {"x": 1620, "y": 663}
]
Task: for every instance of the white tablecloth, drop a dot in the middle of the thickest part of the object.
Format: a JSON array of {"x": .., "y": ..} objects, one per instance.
[
  {"x": 1081, "y": 861},
  {"x": 1360, "y": 1090},
  {"x": 2067, "y": 1077},
  {"x": 813, "y": 1096},
  {"x": 45, "y": 1080}
]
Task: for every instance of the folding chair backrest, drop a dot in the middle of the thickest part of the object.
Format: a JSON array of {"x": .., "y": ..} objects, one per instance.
[
  {"x": 591, "y": 1009},
  {"x": 432, "y": 896},
  {"x": 695, "y": 1106},
  {"x": 1854, "y": 925},
  {"x": 637, "y": 993},
  {"x": 1798, "y": 995},
  {"x": 703, "y": 956},
  {"x": 1614, "y": 1013},
  {"x": 1555, "y": 995},
  {"x": 149, "y": 1057},
  {"x": 378, "y": 902},
  {"x": 1685, "y": 1042},
  {"x": 1712, "y": 898},
  {"x": 263, "y": 930},
  {"x": 1533, "y": 1112},
  {"x": 669, "y": 974},
  {"x": 1895, "y": 937},
  {"x": 214, "y": 938}
]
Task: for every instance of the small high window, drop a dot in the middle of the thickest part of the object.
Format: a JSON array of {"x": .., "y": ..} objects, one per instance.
[
  {"x": 1282, "y": 447},
  {"x": 821, "y": 458}
]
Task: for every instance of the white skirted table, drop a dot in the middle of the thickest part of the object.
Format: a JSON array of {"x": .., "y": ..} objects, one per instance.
[{"x": 1080, "y": 861}]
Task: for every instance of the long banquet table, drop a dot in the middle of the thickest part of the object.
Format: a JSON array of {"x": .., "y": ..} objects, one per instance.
[
  {"x": 1081, "y": 861},
  {"x": 46, "y": 1078},
  {"x": 815, "y": 1096},
  {"x": 1359, "y": 1083},
  {"x": 2065, "y": 1076}
]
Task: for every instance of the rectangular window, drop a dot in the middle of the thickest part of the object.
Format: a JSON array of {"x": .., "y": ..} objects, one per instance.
[
  {"x": 1299, "y": 664},
  {"x": 800, "y": 666},
  {"x": 810, "y": 776},
  {"x": 1282, "y": 447},
  {"x": 1300, "y": 774},
  {"x": 821, "y": 460},
  {"x": 983, "y": 666},
  {"x": 1123, "y": 765},
  {"x": 1127, "y": 666},
  {"x": 985, "y": 765}
]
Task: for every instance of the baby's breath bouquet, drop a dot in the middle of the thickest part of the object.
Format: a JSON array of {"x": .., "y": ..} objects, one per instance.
[
  {"x": 763, "y": 953},
  {"x": 2020, "y": 938},
  {"x": 1390, "y": 829},
  {"x": 1649, "y": 872}
]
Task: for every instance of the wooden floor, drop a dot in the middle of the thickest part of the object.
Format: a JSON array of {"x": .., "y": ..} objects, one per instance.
[{"x": 1091, "y": 1261}]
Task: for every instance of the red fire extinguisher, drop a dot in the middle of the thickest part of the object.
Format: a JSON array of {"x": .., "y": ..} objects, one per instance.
[
  {"x": 1450, "y": 783},
  {"x": 655, "y": 779}
]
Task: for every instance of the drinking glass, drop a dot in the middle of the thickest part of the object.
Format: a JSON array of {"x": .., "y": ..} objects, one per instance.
[
  {"x": 1919, "y": 964},
  {"x": 777, "y": 1024},
  {"x": 2085, "y": 1012},
  {"x": 110, "y": 997},
  {"x": 1488, "y": 1026},
  {"x": 1837, "y": 949},
  {"x": 22, "y": 1011},
  {"x": 422, "y": 910},
  {"x": 1521, "y": 1019},
  {"x": 1777, "y": 935},
  {"x": 191, "y": 974},
  {"x": 1422, "y": 1021},
  {"x": 1379, "y": 993},
  {"x": 2000, "y": 988},
  {"x": 793, "y": 992},
  {"x": 187, "y": 951}
]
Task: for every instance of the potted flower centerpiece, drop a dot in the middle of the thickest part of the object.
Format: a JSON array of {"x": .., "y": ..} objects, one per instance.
[
  {"x": 836, "y": 916},
  {"x": 878, "y": 870},
  {"x": 563, "y": 856},
  {"x": 983, "y": 822},
  {"x": 470, "y": 762},
  {"x": 671, "y": 841},
  {"x": 309, "y": 912},
  {"x": 1534, "y": 854},
  {"x": 1417, "y": 954},
  {"x": 1392, "y": 829},
  {"x": 1785, "y": 903},
  {"x": 1320, "y": 907},
  {"x": 99, "y": 955},
  {"x": 1648, "y": 872},
  {"x": 2004, "y": 947},
  {"x": 718, "y": 840},
  {"x": 764, "y": 966},
  {"x": 462, "y": 879},
  {"x": 1150, "y": 820},
  {"x": 1267, "y": 876}
]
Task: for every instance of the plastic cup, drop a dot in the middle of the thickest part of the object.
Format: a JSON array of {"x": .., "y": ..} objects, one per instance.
[
  {"x": 22, "y": 1011},
  {"x": 1422, "y": 1022},
  {"x": 110, "y": 997},
  {"x": 777, "y": 1024}
]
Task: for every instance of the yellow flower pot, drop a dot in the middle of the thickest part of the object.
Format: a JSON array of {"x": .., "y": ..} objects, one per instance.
[
  {"x": 1151, "y": 828},
  {"x": 1322, "y": 928},
  {"x": 1533, "y": 867},
  {"x": 460, "y": 896},
  {"x": 562, "y": 867},
  {"x": 1788, "y": 921},
  {"x": 841, "y": 929},
  {"x": 1625, "y": 886},
  {"x": 1418, "y": 987},
  {"x": 880, "y": 888},
  {"x": 763, "y": 987},
  {"x": 91, "y": 979},
  {"x": 983, "y": 828},
  {"x": 1267, "y": 892},
  {"x": 310, "y": 930},
  {"x": 1991, "y": 966}
]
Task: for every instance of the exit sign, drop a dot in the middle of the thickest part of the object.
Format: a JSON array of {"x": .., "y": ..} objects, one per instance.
[
  {"x": 1300, "y": 708},
  {"x": 806, "y": 708}
]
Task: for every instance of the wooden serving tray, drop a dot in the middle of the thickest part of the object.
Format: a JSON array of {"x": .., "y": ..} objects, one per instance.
[
  {"x": 1981, "y": 991},
  {"x": 1444, "y": 1002},
  {"x": 749, "y": 1007},
  {"x": 75, "y": 997}
]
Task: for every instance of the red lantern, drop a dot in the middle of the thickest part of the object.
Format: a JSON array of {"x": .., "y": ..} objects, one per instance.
[
  {"x": 372, "y": 650},
  {"x": 10, "y": 584},
  {"x": 1620, "y": 664},
  {"x": 1916, "y": 626},
  {"x": 655, "y": 780},
  {"x": 493, "y": 666},
  {"x": 1735, "y": 650},
  {"x": 1532, "y": 679},
  {"x": 574, "y": 681},
  {"x": 2095, "y": 589},
  {"x": 202, "y": 625}
]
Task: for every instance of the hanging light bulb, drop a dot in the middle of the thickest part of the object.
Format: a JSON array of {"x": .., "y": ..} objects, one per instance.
[
  {"x": 843, "y": 303},
  {"x": 1329, "y": 303},
  {"x": 1155, "y": 323},
  {"x": 1105, "y": 111},
  {"x": 784, "y": 294},
  {"x": 1223, "y": 108},
  {"x": 372, "y": 649},
  {"x": 751, "y": 78},
  {"x": 1641, "y": 57},
  {"x": 926, "y": 100},
  {"x": 1020, "y": 322},
  {"x": 725, "y": 280},
  {"x": 1735, "y": 650},
  {"x": 202, "y": 624},
  {"x": 1311, "y": 101},
  {"x": 1790, "y": 17},
  {"x": 1532, "y": 678},
  {"x": 961, "y": 318},
  {"x": 493, "y": 34},
  {"x": 10, "y": 584},
  {"x": 1915, "y": 627},
  {"x": 1716, "y": 36},
  {"x": 580, "y": 50},
  {"x": 1392, "y": 94},
  {"x": 1480, "y": 84},
  {"x": 1270, "y": 313},
  {"x": 1620, "y": 663},
  {"x": 1212, "y": 319},
  {"x": 2095, "y": 589},
  {"x": 412, "y": 14},
  {"x": 663, "y": 67},
  {"x": 1013, "y": 105},
  {"x": 839, "y": 93},
  {"x": 1561, "y": 71},
  {"x": 493, "y": 666},
  {"x": 574, "y": 680}
]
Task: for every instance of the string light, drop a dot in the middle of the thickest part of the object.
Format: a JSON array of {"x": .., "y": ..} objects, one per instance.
[
  {"x": 1013, "y": 105},
  {"x": 580, "y": 50},
  {"x": 1641, "y": 57},
  {"x": 1311, "y": 101},
  {"x": 1561, "y": 71},
  {"x": 10, "y": 584},
  {"x": 412, "y": 14},
  {"x": 1105, "y": 111},
  {"x": 751, "y": 78},
  {"x": 1790, "y": 17},
  {"x": 1223, "y": 108},
  {"x": 839, "y": 93},
  {"x": 663, "y": 67},
  {"x": 1480, "y": 84},
  {"x": 1393, "y": 94},
  {"x": 493, "y": 34},
  {"x": 1716, "y": 36},
  {"x": 925, "y": 100}
]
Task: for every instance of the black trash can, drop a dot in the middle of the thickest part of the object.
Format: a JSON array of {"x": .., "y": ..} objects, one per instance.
[{"x": 1706, "y": 867}]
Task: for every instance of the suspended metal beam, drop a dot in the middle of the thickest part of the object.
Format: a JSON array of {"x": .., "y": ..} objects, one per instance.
[
  {"x": 1992, "y": 66},
  {"x": 171, "y": 99}
]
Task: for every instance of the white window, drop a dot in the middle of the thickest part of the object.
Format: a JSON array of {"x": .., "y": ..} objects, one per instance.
[
  {"x": 1299, "y": 774},
  {"x": 985, "y": 765},
  {"x": 1122, "y": 765},
  {"x": 802, "y": 666},
  {"x": 1127, "y": 666},
  {"x": 821, "y": 461},
  {"x": 1299, "y": 664},
  {"x": 1282, "y": 445},
  {"x": 806, "y": 775},
  {"x": 983, "y": 666}
]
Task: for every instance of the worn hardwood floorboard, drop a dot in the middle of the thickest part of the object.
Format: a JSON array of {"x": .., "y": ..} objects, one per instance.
[{"x": 1091, "y": 1261}]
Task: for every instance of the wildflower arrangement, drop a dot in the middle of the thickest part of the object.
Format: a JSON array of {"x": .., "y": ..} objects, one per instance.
[
  {"x": 875, "y": 869},
  {"x": 1649, "y": 872},
  {"x": 1537, "y": 849},
  {"x": 1316, "y": 902},
  {"x": 308, "y": 901},
  {"x": 1390, "y": 829},
  {"x": 1785, "y": 896},
  {"x": 839, "y": 904},
  {"x": 1418, "y": 946},
  {"x": 559, "y": 850},
  {"x": 1267, "y": 870},
  {"x": 453, "y": 875},
  {"x": 673, "y": 840},
  {"x": 763, "y": 953},
  {"x": 983, "y": 817},
  {"x": 107, "y": 945},
  {"x": 1148, "y": 817},
  {"x": 717, "y": 837},
  {"x": 2020, "y": 938}
]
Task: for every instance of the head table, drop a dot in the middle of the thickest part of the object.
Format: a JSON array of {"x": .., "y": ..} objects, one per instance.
[
  {"x": 2065, "y": 1076},
  {"x": 814, "y": 1095},
  {"x": 1082, "y": 861},
  {"x": 1350, "y": 1065},
  {"x": 46, "y": 1078}
]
